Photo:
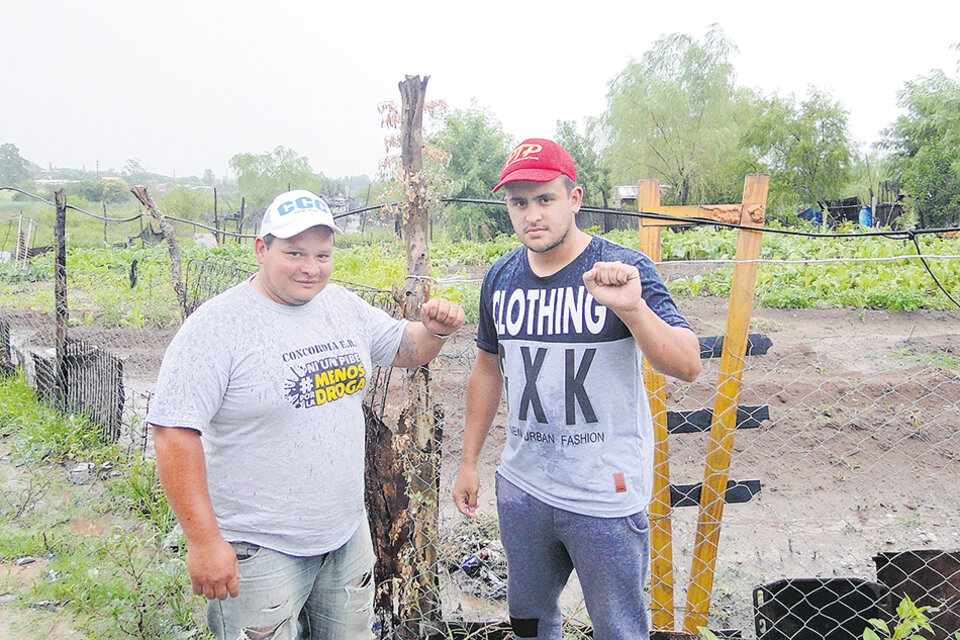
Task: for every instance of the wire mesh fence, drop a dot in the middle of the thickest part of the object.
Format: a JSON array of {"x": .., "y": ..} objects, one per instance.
[{"x": 843, "y": 483}]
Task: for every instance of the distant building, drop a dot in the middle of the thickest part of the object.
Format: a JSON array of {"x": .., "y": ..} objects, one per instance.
[{"x": 625, "y": 197}]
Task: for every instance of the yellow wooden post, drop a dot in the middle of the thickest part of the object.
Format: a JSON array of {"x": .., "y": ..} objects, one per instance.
[
  {"x": 720, "y": 447},
  {"x": 661, "y": 533}
]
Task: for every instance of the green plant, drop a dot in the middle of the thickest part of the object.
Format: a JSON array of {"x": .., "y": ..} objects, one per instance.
[
  {"x": 138, "y": 489},
  {"x": 911, "y": 619},
  {"x": 106, "y": 567},
  {"x": 123, "y": 585}
]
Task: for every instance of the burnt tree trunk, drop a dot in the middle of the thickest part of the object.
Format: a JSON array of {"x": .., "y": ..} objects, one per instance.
[
  {"x": 418, "y": 420},
  {"x": 170, "y": 235},
  {"x": 404, "y": 513},
  {"x": 243, "y": 212}
]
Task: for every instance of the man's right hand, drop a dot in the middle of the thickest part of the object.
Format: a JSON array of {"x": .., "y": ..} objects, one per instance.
[
  {"x": 214, "y": 570},
  {"x": 465, "y": 490}
]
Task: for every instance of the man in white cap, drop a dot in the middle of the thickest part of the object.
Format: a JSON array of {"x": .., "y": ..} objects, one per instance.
[{"x": 259, "y": 433}]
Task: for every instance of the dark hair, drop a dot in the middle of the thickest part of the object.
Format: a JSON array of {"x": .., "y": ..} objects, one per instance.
[
  {"x": 568, "y": 182},
  {"x": 268, "y": 239}
]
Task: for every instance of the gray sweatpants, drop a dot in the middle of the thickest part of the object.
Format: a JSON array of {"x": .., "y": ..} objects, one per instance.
[{"x": 544, "y": 544}]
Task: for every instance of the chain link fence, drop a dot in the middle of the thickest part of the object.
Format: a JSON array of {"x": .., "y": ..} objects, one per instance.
[{"x": 844, "y": 477}]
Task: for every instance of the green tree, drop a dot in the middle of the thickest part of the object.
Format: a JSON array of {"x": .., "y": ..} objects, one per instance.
[
  {"x": 134, "y": 173},
  {"x": 925, "y": 142},
  {"x": 672, "y": 115},
  {"x": 110, "y": 191},
  {"x": 189, "y": 203},
  {"x": 261, "y": 176},
  {"x": 592, "y": 175},
  {"x": 13, "y": 168},
  {"x": 933, "y": 182},
  {"x": 473, "y": 147},
  {"x": 806, "y": 149}
]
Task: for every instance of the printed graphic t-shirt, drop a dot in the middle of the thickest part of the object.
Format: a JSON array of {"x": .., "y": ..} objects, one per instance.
[
  {"x": 275, "y": 392},
  {"x": 579, "y": 431}
]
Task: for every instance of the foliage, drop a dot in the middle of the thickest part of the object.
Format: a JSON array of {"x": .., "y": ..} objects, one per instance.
[
  {"x": 188, "y": 203},
  {"x": 899, "y": 285},
  {"x": 592, "y": 176},
  {"x": 42, "y": 433},
  {"x": 100, "y": 288},
  {"x": 677, "y": 115},
  {"x": 474, "y": 147},
  {"x": 136, "y": 174},
  {"x": 102, "y": 191},
  {"x": 261, "y": 176},
  {"x": 934, "y": 183},
  {"x": 432, "y": 183},
  {"x": 111, "y": 573},
  {"x": 672, "y": 115},
  {"x": 13, "y": 168},
  {"x": 805, "y": 150},
  {"x": 925, "y": 142},
  {"x": 136, "y": 590},
  {"x": 911, "y": 620}
]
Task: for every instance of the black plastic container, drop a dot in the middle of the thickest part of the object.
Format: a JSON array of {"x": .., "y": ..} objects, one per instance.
[
  {"x": 818, "y": 608},
  {"x": 931, "y": 578}
]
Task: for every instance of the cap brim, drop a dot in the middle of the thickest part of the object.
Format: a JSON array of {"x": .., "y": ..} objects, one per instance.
[
  {"x": 531, "y": 175},
  {"x": 292, "y": 230}
]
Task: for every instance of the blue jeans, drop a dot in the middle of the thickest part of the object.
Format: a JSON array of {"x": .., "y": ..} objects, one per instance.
[
  {"x": 544, "y": 544},
  {"x": 333, "y": 591}
]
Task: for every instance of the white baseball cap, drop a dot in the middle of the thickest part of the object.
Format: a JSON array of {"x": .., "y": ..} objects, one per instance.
[{"x": 296, "y": 211}]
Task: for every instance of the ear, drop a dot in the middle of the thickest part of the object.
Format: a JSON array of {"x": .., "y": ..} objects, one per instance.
[
  {"x": 576, "y": 198},
  {"x": 259, "y": 249}
]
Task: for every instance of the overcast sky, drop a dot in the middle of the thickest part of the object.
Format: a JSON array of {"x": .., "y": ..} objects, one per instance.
[{"x": 184, "y": 85}]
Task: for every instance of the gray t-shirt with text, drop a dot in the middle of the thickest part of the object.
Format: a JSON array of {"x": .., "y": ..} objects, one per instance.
[{"x": 275, "y": 392}]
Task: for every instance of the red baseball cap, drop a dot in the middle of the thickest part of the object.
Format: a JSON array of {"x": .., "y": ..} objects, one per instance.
[{"x": 537, "y": 160}]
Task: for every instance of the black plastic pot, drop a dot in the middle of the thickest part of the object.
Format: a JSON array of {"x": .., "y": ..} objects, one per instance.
[
  {"x": 818, "y": 608},
  {"x": 930, "y": 577}
]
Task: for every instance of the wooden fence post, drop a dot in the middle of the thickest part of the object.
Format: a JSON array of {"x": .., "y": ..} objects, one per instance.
[
  {"x": 60, "y": 297},
  {"x": 176, "y": 268},
  {"x": 216, "y": 218},
  {"x": 243, "y": 207},
  {"x": 723, "y": 425},
  {"x": 661, "y": 529}
]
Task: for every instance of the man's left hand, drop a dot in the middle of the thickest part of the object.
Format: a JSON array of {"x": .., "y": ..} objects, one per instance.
[
  {"x": 615, "y": 285},
  {"x": 441, "y": 317}
]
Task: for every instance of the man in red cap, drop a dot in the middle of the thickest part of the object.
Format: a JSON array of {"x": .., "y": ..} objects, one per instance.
[{"x": 565, "y": 322}]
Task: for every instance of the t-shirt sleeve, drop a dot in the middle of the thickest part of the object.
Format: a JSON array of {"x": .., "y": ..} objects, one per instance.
[
  {"x": 487, "y": 339},
  {"x": 386, "y": 333},
  {"x": 656, "y": 295},
  {"x": 193, "y": 378}
]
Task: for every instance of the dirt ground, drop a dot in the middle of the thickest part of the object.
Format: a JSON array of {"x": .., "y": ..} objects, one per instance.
[{"x": 859, "y": 455}]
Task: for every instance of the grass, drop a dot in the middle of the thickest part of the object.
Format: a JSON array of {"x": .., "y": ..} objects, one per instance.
[
  {"x": 940, "y": 359},
  {"x": 104, "y": 567}
]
